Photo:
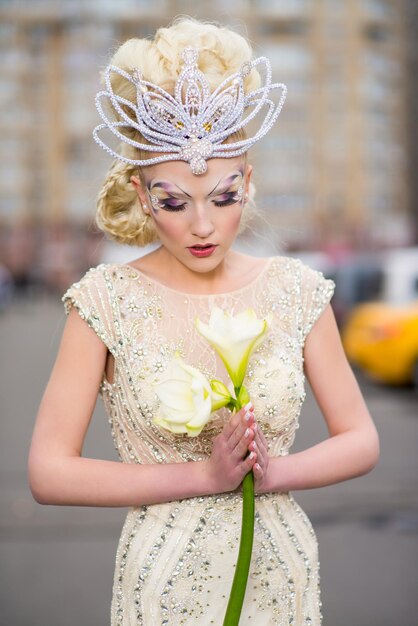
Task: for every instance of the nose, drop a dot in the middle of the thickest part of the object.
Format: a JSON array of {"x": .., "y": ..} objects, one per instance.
[{"x": 202, "y": 225}]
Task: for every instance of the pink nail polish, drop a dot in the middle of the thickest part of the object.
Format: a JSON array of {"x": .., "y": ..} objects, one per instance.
[
  {"x": 255, "y": 427},
  {"x": 247, "y": 433},
  {"x": 248, "y": 406},
  {"x": 252, "y": 455}
]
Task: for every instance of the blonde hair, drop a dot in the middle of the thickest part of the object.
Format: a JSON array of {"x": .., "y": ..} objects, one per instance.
[{"x": 221, "y": 53}]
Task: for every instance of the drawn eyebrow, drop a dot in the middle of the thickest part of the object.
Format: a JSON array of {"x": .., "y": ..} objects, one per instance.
[
  {"x": 168, "y": 187},
  {"x": 228, "y": 182}
]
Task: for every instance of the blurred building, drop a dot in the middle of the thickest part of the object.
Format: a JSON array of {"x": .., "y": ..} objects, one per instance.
[
  {"x": 412, "y": 107},
  {"x": 334, "y": 168}
]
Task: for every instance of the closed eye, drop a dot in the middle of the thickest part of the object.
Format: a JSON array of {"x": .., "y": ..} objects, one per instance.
[
  {"x": 174, "y": 205},
  {"x": 226, "y": 202}
]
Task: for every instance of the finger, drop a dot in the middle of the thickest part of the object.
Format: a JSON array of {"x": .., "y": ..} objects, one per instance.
[
  {"x": 242, "y": 425},
  {"x": 253, "y": 446},
  {"x": 249, "y": 461},
  {"x": 257, "y": 469},
  {"x": 232, "y": 423},
  {"x": 260, "y": 443},
  {"x": 234, "y": 443},
  {"x": 259, "y": 436},
  {"x": 245, "y": 413},
  {"x": 242, "y": 446},
  {"x": 258, "y": 475},
  {"x": 262, "y": 454},
  {"x": 262, "y": 437}
]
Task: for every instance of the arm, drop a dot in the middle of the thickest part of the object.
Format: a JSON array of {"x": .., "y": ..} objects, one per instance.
[
  {"x": 58, "y": 474},
  {"x": 353, "y": 446}
]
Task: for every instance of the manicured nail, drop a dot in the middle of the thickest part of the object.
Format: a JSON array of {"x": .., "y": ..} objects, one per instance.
[
  {"x": 247, "y": 433},
  {"x": 247, "y": 415},
  {"x": 248, "y": 406},
  {"x": 252, "y": 455},
  {"x": 257, "y": 467},
  {"x": 255, "y": 427}
]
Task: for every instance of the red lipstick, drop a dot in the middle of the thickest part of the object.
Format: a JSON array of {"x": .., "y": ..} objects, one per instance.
[{"x": 202, "y": 250}]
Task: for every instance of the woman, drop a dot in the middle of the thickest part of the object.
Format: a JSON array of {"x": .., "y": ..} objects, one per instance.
[{"x": 193, "y": 193}]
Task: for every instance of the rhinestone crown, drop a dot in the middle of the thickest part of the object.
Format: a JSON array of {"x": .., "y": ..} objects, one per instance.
[{"x": 192, "y": 125}]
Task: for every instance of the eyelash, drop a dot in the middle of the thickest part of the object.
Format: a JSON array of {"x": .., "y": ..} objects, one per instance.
[{"x": 181, "y": 207}]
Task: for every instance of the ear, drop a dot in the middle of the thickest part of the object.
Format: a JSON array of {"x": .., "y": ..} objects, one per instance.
[
  {"x": 248, "y": 174},
  {"x": 142, "y": 196}
]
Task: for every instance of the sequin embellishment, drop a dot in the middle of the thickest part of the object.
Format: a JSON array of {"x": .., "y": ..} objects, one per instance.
[{"x": 175, "y": 561}]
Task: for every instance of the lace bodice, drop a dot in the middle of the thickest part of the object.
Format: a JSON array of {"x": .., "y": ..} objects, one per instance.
[{"x": 143, "y": 323}]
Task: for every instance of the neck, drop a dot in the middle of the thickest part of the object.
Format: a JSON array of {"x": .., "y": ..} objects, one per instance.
[{"x": 184, "y": 278}]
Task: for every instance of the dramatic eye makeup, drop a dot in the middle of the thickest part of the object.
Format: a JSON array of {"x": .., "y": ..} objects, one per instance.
[{"x": 165, "y": 196}]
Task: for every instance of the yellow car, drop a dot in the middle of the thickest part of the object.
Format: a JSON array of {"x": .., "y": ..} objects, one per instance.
[{"x": 382, "y": 340}]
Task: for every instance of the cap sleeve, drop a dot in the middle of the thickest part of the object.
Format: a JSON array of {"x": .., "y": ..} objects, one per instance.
[
  {"x": 91, "y": 298},
  {"x": 316, "y": 293}
]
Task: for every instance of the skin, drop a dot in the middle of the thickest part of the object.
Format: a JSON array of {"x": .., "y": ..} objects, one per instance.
[
  {"x": 201, "y": 221},
  {"x": 59, "y": 474}
]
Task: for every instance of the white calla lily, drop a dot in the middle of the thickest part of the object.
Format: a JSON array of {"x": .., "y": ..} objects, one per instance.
[
  {"x": 185, "y": 399},
  {"x": 188, "y": 400},
  {"x": 234, "y": 337}
]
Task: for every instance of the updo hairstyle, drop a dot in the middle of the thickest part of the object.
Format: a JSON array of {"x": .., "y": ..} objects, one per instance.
[{"x": 221, "y": 53}]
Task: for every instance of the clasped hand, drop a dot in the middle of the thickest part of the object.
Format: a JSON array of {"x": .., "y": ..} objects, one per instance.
[{"x": 230, "y": 462}]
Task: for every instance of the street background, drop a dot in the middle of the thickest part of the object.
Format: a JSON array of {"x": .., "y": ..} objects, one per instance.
[
  {"x": 57, "y": 562},
  {"x": 336, "y": 185}
]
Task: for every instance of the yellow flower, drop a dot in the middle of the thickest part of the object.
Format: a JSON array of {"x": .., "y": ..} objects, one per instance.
[
  {"x": 185, "y": 399},
  {"x": 234, "y": 338}
]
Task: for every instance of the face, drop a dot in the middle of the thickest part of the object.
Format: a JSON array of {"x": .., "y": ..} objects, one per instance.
[{"x": 196, "y": 218}]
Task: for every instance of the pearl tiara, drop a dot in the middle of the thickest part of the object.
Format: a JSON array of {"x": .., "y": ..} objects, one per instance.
[{"x": 192, "y": 125}]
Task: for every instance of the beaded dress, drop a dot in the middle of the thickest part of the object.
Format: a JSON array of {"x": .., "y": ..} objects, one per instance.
[{"x": 175, "y": 561}]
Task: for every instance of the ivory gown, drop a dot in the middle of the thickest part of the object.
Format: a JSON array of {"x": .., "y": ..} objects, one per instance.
[{"x": 175, "y": 561}]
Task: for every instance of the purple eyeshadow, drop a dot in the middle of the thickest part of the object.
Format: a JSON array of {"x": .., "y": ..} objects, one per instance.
[
  {"x": 174, "y": 202},
  {"x": 226, "y": 196}
]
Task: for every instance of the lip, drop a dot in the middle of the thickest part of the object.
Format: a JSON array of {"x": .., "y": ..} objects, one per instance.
[{"x": 202, "y": 251}]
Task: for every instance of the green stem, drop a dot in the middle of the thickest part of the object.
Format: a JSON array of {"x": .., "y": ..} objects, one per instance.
[
  {"x": 233, "y": 405},
  {"x": 239, "y": 583}
]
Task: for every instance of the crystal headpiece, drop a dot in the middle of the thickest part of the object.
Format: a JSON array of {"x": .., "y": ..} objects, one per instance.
[{"x": 192, "y": 125}]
